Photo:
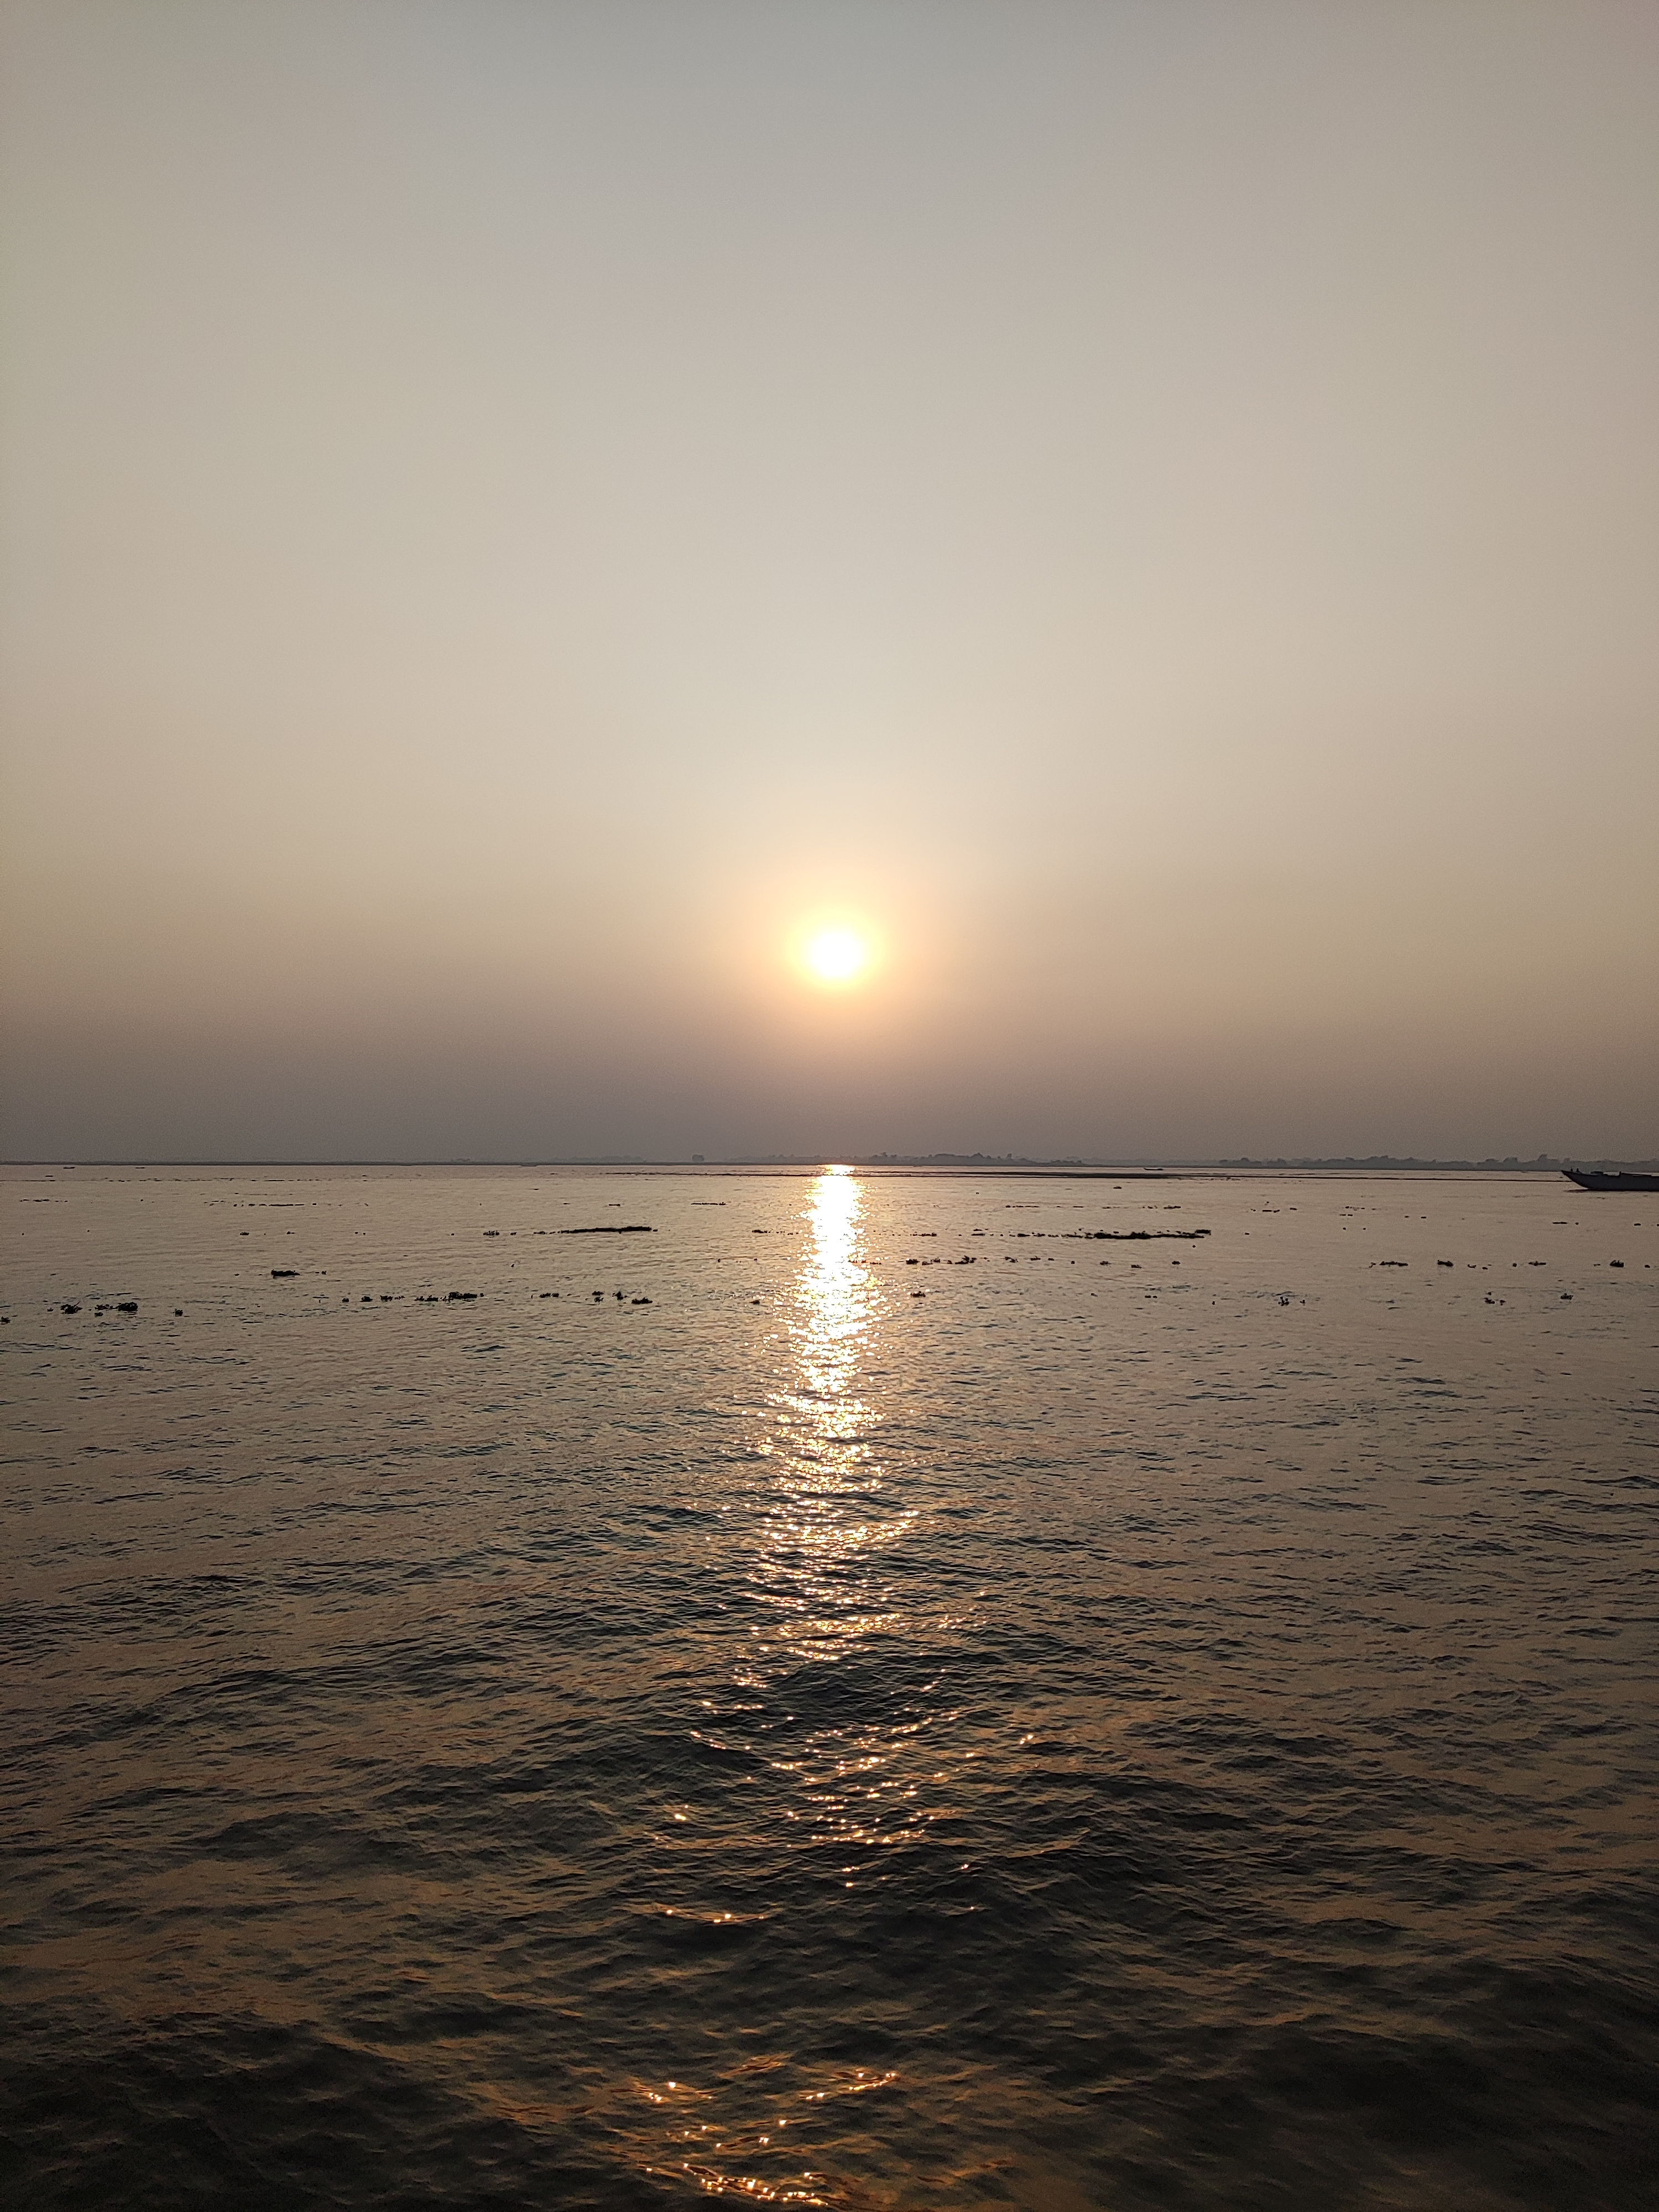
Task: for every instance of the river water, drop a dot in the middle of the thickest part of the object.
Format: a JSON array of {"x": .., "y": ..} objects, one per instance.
[{"x": 865, "y": 1692}]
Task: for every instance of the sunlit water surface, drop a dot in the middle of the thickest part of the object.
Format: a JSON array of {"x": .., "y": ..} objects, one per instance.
[{"x": 1113, "y": 1724}]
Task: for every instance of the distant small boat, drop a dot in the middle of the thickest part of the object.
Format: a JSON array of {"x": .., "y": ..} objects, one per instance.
[{"x": 1620, "y": 1179}]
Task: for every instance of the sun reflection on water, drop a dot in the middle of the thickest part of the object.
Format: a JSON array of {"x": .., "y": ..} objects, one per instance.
[
  {"x": 840, "y": 1691},
  {"x": 824, "y": 1518},
  {"x": 834, "y": 1302},
  {"x": 833, "y": 1659},
  {"x": 837, "y": 1688}
]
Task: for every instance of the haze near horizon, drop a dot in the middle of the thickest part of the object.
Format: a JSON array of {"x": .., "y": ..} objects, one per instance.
[{"x": 626, "y": 579}]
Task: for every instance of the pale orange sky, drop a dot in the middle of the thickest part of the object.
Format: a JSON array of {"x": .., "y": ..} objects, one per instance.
[{"x": 507, "y": 514}]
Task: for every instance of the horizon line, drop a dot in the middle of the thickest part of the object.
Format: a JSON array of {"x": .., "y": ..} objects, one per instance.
[{"x": 975, "y": 1163}]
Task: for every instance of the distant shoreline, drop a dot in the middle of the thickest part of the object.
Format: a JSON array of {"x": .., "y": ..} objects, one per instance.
[{"x": 1008, "y": 1165}]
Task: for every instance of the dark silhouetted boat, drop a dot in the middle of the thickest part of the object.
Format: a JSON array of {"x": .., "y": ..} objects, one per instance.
[{"x": 1618, "y": 1179}]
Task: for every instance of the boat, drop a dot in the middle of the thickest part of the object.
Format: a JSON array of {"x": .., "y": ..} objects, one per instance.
[{"x": 1616, "y": 1180}]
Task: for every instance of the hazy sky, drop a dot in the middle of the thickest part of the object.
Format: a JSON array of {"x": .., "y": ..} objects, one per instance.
[{"x": 508, "y": 512}]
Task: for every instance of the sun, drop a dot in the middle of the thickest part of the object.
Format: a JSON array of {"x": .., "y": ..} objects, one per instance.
[{"x": 837, "y": 955}]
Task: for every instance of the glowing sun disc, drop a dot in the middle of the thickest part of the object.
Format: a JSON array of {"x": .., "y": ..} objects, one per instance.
[{"x": 837, "y": 956}]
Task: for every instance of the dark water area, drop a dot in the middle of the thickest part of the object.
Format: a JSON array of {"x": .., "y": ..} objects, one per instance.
[{"x": 1166, "y": 1723}]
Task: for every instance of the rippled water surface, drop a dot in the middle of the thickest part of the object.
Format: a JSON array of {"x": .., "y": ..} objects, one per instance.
[{"x": 1115, "y": 1724}]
